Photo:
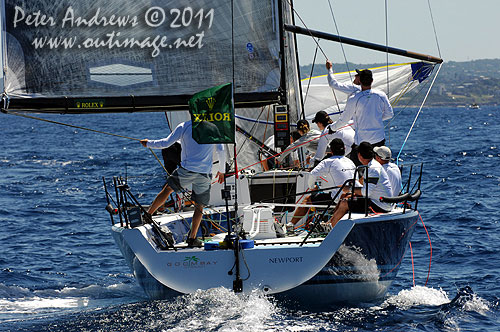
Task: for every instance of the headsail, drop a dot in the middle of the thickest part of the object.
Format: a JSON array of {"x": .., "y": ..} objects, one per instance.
[
  {"x": 402, "y": 78},
  {"x": 77, "y": 56}
]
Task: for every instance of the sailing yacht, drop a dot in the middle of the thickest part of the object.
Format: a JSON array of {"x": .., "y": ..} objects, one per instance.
[{"x": 72, "y": 57}]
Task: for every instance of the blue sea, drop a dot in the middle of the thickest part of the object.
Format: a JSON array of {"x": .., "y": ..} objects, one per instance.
[{"x": 60, "y": 269}]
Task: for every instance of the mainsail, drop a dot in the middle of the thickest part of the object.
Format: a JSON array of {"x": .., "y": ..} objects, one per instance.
[{"x": 75, "y": 56}]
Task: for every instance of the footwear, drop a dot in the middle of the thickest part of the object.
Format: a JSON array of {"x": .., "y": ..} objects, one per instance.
[
  {"x": 325, "y": 227},
  {"x": 192, "y": 243}
]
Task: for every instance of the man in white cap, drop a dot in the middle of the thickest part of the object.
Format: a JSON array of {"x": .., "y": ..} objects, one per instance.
[{"x": 383, "y": 155}]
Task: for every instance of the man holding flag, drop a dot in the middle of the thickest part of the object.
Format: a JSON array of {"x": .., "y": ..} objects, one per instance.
[{"x": 198, "y": 138}]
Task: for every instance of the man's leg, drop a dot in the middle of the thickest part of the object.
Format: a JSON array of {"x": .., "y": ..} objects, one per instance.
[
  {"x": 160, "y": 199},
  {"x": 301, "y": 211},
  {"x": 195, "y": 224},
  {"x": 339, "y": 212}
]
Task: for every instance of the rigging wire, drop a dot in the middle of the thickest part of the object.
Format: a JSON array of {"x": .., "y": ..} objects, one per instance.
[
  {"x": 387, "y": 44},
  {"x": 88, "y": 129},
  {"x": 340, "y": 39},
  {"x": 309, "y": 81},
  {"x": 430, "y": 246},
  {"x": 412, "y": 264},
  {"x": 301, "y": 20},
  {"x": 434, "y": 27},
  {"x": 418, "y": 113}
]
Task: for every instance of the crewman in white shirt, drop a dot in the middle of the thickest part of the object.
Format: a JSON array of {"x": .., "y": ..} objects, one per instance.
[
  {"x": 368, "y": 109},
  {"x": 378, "y": 185},
  {"x": 335, "y": 170},
  {"x": 346, "y": 134},
  {"x": 195, "y": 170},
  {"x": 383, "y": 155}
]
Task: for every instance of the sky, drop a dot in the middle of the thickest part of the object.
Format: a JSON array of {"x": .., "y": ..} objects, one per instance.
[{"x": 466, "y": 29}]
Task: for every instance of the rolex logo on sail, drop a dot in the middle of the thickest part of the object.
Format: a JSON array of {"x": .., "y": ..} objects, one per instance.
[
  {"x": 209, "y": 116},
  {"x": 211, "y": 102}
]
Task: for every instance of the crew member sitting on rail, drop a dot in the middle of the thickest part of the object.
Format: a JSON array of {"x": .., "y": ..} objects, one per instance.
[
  {"x": 383, "y": 156},
  {"x": 378, "y": 185},
  {"x": 335, "y": 170},
  {"x": 195, "y": 170}
]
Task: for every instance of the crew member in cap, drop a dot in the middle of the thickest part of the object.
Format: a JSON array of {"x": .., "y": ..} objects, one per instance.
[
  {"x": 308, "y": 139},
  {"x": 335, "y": 170},
  {"x": 368, "y": 108},
  {"x": 346, "y": 134},
  {"x": 378, "y": 185},
  {"x": 383, "y": 156}
]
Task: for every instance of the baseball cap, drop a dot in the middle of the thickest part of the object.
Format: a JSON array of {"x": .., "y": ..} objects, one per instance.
[
  {"x": 365, "y": 149},
  {"x": 364, "y": 73},
  {"x": 383, "y": 152},
  {"x": 320, "y": 116},
  {"x": 337, "y": 147}
]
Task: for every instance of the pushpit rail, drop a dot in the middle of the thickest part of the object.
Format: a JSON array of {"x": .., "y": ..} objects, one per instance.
[{"x": 126, "y": 202}]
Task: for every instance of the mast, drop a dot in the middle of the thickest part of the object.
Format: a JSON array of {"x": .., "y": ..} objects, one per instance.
[
  {"x": 284, "y": 97},
  {"x": 297, "y": 63}
]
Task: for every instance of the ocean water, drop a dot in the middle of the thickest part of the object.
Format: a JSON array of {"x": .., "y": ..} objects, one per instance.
[{"x": 60, "y": 269}]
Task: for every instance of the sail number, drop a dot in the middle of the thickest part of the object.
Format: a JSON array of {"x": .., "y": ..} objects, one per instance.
[{"x": 179, "y": 18}]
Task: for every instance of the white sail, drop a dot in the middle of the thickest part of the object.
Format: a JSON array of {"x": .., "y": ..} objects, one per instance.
[
  {"x": 158, "y": 52},
  {"x": 395, "y": 80}
]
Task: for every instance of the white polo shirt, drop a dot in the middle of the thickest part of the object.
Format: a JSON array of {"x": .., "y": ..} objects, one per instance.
[
  {"x": 394, "y": 177},
  {"x": 346, "y": 134},
  {"x": 378, "y": 184}
]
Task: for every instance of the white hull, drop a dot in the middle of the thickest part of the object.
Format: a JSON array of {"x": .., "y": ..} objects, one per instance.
[{"x": 347, "y": 274}]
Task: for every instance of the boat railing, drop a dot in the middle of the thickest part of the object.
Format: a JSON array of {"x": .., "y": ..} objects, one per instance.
[
  {"x": 410, "y": 191},
  {"x": 131, "y": 213}
]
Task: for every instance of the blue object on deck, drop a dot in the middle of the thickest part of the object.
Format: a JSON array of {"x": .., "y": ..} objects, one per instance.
[
  {"x": 247, "y": 244},
  {"x": 212, "y": 245}
]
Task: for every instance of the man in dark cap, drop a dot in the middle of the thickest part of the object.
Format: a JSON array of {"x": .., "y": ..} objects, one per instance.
[
  {"x": 368, "y": 109},
  {"x": 335, "y": 170},
  {"x": 378, "y": 184},
  {"x": 346, "y": 134}
]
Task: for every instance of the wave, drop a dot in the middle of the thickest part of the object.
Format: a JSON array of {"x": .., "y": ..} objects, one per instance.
[
  {"x": 418, "y": 295},
  {"x": 217, "y": 309},
  {"x": 21, "y": 303}
]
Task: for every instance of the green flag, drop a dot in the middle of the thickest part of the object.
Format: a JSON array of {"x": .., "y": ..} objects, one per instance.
[{"x": 212, "y": 115}]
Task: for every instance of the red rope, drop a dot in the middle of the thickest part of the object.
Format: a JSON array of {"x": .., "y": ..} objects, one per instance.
[
  {"x": 430, "y": 246},
  {"x": 289, "y": 149},
  {"x": 412, "y": 265}
]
